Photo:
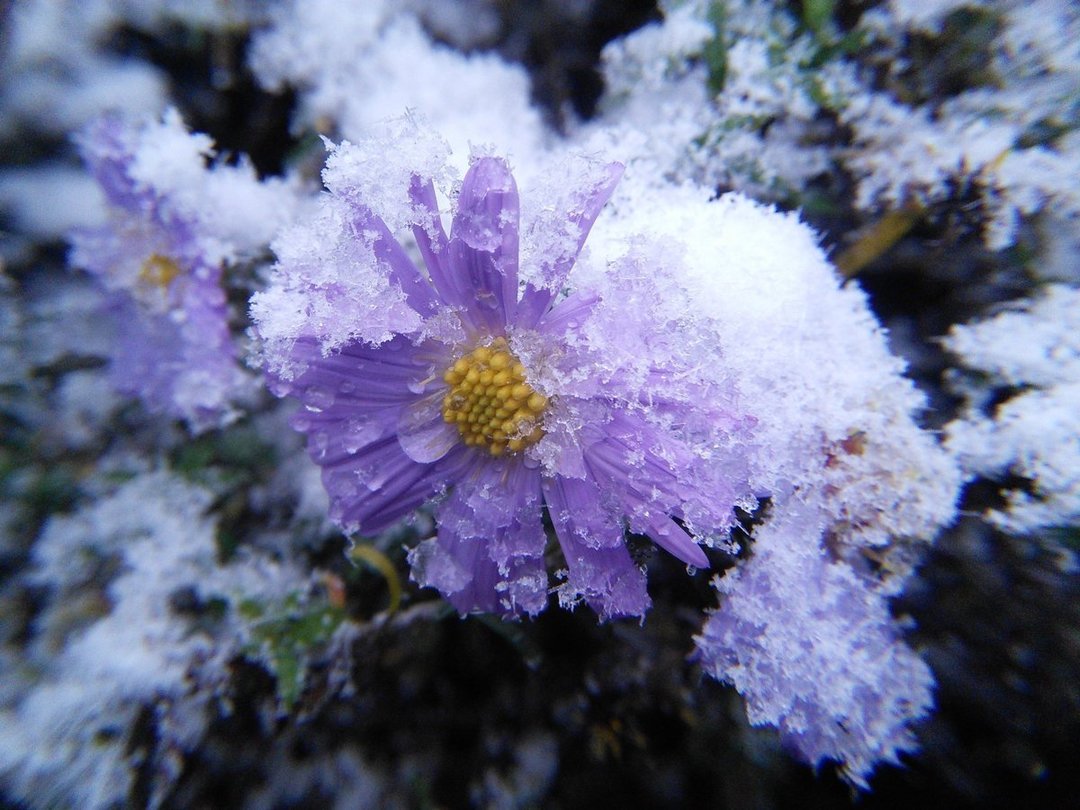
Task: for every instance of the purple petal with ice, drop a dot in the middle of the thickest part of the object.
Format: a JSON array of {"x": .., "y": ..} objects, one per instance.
[
  {"x": 600, "y": 570},
  {"x": 489, "y": 552},
  {"x": 566, "y": 316},
  {"x": 480, "y": 273},
  {"x": 107, "y": 146},
  {"x": 626, "y": 463},
  {"x": 424, "y": 434},
  {"x": 352, "y": 405},
  {"x": 418, "y": 292},
  {"x": 380, "y": 485},
  {"x": 430, "y": 234},
  {"x": 590, "y": 201},
  {"x": 182, "y": 363}
]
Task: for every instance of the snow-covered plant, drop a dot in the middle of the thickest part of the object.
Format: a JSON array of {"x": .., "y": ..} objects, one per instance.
[
  {"x": 644, "y": 403},
  {"x": 1021, "y": 377},
  {"x": 737, "y": 94},
  {"x": 113, "y": 640},
  {"x": 1011, "y": 132},
  {"x": 538, "y": 369},
  {"x": 360, "y": 64},
  {"x": 810, "y": 644},
  {"x": 852, "y": 481},
  {"x": 508, "y": 399}
]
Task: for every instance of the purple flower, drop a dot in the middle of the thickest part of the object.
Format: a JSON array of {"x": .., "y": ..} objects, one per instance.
[
  {"x": 160, "y": 261},
  {"x": 499, "y": 399}
]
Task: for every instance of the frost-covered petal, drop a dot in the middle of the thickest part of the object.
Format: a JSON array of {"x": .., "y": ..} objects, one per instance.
[
  {"x": 600, "y": 570},
  {"x": 626, "y": 460},
  {"x": 567, "y": 315},
  {"x": 481, "y": 271},
  {"x": 380, "y": 485},
  {"x": 428, "y": 231},
  {"x": 488, "y": 555},
  {"x": 558, "y": 237},
  {"x": 388, "y": 250},
  {"x": 334, "y": 283}
]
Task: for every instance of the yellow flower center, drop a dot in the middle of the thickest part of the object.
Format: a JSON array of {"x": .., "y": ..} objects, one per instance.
[
  {"x": 491, "y": 402},
  {"x": 159, "y": 271}
]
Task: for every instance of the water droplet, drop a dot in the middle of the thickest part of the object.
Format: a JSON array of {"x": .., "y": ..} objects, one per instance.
[
  {"x": 318, "y": 398},
  {"x": 358, "y": 433}
]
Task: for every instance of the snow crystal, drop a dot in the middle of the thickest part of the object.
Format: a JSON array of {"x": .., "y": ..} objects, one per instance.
[
  {"x": 108, "y": 642},
  {"x": 812, "y": 648},
  {"x": 372, "y": 62},
  {"x": 1035, "y": 433}
]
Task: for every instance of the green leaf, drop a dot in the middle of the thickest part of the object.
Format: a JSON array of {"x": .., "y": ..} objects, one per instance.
[
  {"x": 287, "y": 636},
  {"x": 715, "y": 50},
  {"x": 816, "y": 14}
]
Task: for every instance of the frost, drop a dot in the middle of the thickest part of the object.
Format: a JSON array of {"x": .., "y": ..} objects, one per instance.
[
  {"x": 108, "y": 647},
  {"x": 993, "y": 136},
  {"x": 690, "y": 98},
  {"x": 372, "y": 62},
  {"x": 812, "y": 648},
  {"x": 1035, "y": 431},
  {"x": 326, "y": 276},
  {"x": 697, "y": 356},
  {"x": 834, "y": 416},
  {"x": 59, "y": 742},
  {"x": 836, "y": 448}
]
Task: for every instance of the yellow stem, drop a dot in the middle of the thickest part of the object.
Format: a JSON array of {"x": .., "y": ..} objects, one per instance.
[
  {"x": 375, "y": 559},
  {"x": 878, "y": 238}
]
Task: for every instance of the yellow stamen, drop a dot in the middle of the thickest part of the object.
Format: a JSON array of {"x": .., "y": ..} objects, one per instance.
[
  {"x": 491, "y": 401},
  {"x": 159, "y": 271}
]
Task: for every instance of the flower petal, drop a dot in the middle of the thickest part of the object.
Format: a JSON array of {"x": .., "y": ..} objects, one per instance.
[
  {"x": 353, "y": 401},
  {"x": 430, "y": 235},
  {"x": 568, "y": 315},
  {"x": 587, "y": 204},
  {"x": 423, "y": 433},
  {"x": 488, "y": 555},
  {"x": 359, "y": 377},
  {"x": 379, "y": 485},
  {"x": 418, "y": 292},
  {"x": 627, "y": 462},
  {"x": 480, "y": 273},
  {"x": 600, "y": 569}
]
